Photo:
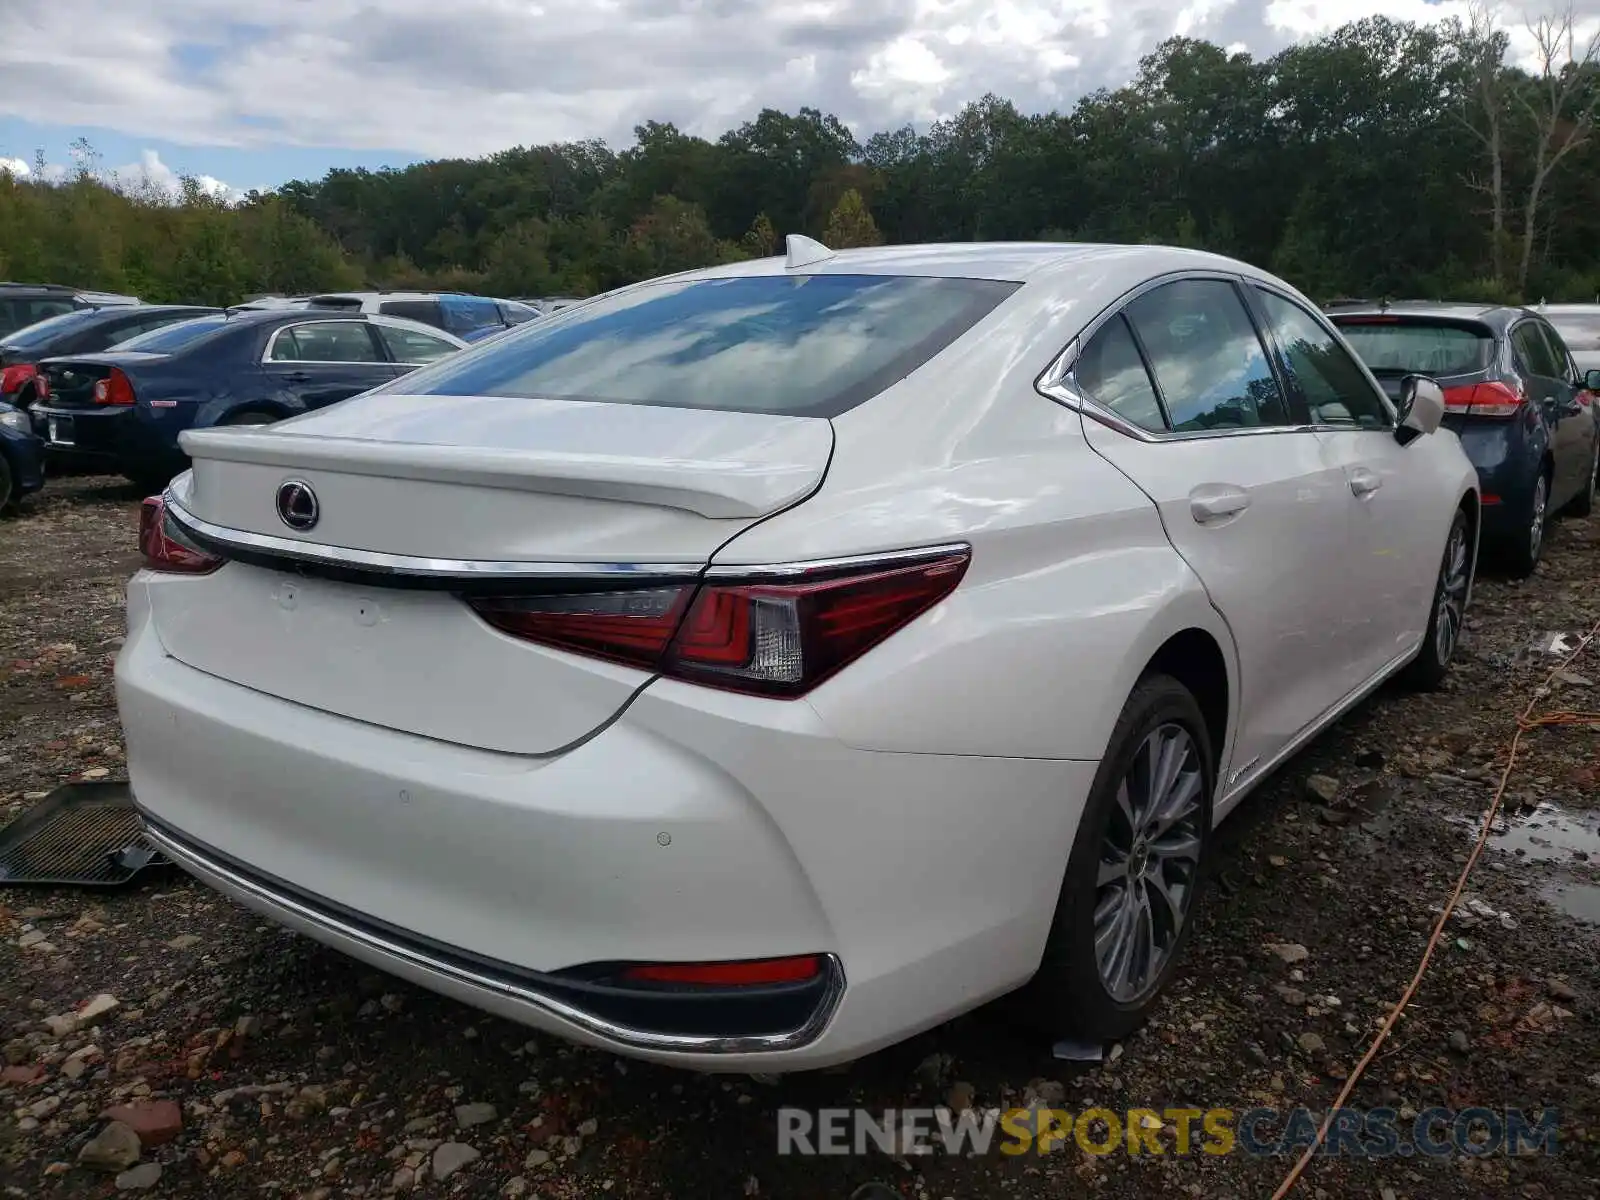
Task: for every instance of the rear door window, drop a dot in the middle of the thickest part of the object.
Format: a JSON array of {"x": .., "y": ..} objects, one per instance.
[
  {"x": 785, "y": 345},
  {"x": 1206, "y": 357},
  {"x": 412, "y": 347},
  {"x": 1558, "y": 351},
  {"x": 1534, "y": 353},
  {"x": 325, "y": 342}
]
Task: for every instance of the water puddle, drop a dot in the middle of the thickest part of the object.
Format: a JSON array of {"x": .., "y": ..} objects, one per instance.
[
  {"x": 1547, "y": 834},
  {"x": 1579, "y": 900}
]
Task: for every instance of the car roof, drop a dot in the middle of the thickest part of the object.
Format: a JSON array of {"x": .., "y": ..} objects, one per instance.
[
  {"x": 1015, "y": 261},
  {"x": 382, "y": 295}
]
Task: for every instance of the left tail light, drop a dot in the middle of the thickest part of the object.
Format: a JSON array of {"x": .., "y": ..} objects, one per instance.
[
  {"x": 777, "y": 636},
  {"x": 164, "y": 546},
  {"x": 115, "y": 388},
  {"x": 14, "y": 377}
]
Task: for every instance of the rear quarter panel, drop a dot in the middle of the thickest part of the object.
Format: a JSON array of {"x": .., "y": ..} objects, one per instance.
[{"x": 1073, "y": 585}]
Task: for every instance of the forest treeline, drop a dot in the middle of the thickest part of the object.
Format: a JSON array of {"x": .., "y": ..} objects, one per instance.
[{"x": 1385, "y": 158}]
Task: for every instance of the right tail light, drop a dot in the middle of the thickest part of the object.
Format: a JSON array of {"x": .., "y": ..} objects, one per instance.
[
  {"x": 1486, "y": 399},
  {"x": 773, "y": 637}
]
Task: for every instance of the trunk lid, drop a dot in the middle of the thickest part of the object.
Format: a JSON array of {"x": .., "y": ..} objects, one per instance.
[
  {"x": 450, "y": 485},
  {"x": 71, "y": 380}
]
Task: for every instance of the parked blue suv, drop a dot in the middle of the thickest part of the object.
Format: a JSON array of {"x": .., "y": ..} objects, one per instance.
[{"x": 1526, "y": 416}]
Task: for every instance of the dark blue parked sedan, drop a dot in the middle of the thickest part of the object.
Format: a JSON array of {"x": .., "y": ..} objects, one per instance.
[
  {"x": 1527, "y": 417},
  {"x": 21, "y": 458},
  {"x": 124, "y": 409}
]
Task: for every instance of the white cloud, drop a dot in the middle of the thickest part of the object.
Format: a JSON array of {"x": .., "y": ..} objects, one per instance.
[
  {"x": 148, "y": 174},
  {"x": 151, "y": 172},
  {"x": 469, "y": 78}
]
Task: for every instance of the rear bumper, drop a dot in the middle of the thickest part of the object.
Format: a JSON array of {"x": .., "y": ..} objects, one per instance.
[
  {"x": 582, "y": 1011},
  {"x": 1507, "y": 464},
  {"x": 697, "y": 827},
  {"x": 119, "y": 439}
]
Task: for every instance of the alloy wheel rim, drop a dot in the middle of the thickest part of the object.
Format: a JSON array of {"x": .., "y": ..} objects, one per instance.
[
  {"x": 1149, "y": 861},
  {"x": 1452, "y": 604},
  {"x": 1536, "y": 528}
]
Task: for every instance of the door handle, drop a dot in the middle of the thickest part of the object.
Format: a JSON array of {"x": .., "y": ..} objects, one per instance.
[
  {"x": 1217, "y": 501},
  {"x": 1364, "y": 481},
  {"x": 296, "y": 377}
]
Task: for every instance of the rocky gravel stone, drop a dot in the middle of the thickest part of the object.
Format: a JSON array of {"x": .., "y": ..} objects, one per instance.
[
  {"x": 137, "y": 1179},
  {"x": 451, "y": 1157},
  {"x": 468, "y": 1115},
  {"x": 156, "y": 1122},
  {"x": 114, "y": 1148}
]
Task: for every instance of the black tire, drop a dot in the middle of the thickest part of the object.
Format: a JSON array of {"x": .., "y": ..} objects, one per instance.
[
  {"x": 248, "y": 418},
  {"x": 1584, "y": 504},
  {"x": 1523, "y": 553},
  {"x": 1448, "y": 613},
  {"x": 8, "y": 489},
  {"x": 1068, "y": 996}
]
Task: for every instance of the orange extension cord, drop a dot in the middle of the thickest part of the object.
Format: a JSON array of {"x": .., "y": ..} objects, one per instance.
[{"x": 1525, "y": 722}]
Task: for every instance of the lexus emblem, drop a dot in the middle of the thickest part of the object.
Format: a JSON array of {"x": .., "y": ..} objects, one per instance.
[{"x": 297, "y": 505}]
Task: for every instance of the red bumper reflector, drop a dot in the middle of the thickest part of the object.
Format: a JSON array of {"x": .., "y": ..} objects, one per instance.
[{"x": 750, "y": 973}]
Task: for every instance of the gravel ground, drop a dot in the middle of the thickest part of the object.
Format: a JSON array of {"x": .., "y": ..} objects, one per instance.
[{"x": 292, "y": 1071}]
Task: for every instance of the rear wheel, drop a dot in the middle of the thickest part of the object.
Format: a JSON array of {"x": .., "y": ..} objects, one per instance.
[
  {"x": 1584, "y": 504},
  {"x": 1132, "y": 881},
  {"x": 1432, "y": 663},
  {"x": 8, "y": 488},
  {"x": 248, "y": 418},
  {"x": 1522, "y": 556}
]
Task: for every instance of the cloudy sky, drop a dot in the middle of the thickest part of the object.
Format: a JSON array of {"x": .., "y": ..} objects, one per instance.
[{"x": 249, "y": 93}]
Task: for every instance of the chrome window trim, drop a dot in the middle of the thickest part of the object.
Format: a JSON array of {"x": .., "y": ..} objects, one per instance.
[
  {"x": 268, "y": 361},
  {"x": 1058, "y": 383},
  {"x": 249, "y": 888}
]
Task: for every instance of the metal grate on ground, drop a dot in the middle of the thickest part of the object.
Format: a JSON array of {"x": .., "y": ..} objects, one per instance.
[{"x": 80, "y": 835}]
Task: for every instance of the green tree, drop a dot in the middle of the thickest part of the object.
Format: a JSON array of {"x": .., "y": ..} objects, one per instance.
[{"x": 850, "y": 224}]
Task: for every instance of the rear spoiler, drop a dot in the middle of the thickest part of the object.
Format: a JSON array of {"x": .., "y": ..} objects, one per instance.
[{"x": 713, "y": 487}]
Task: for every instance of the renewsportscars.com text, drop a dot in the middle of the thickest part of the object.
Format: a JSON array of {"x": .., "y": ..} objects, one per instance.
[{"x": 1375, "y": 1132}]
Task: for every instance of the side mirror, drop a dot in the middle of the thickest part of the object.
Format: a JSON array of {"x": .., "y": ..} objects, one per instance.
[
  {"x": 1591, "y": 380},
  {"x": 1421, "y": 407}
]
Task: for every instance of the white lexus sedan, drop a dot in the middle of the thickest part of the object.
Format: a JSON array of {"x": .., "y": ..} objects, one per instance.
[{"x": 751, "y": 668}]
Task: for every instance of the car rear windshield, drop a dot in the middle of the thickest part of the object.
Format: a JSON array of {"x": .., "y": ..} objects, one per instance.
[
  {"x": 1394, "y": 346},
  {"x": 31, "y": 337},
  {"x": 171, "y": 337},
  {"x": 1580, "y": 331},
  {"x": 783, "y": 345}
]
